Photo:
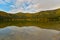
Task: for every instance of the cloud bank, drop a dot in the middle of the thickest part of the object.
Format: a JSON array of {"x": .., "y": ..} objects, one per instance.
[
  {"x": 28, "y": 33},
  {"x": 28, "y": 5}
]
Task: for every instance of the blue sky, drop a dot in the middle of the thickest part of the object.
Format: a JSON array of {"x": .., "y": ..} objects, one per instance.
[
  {"x": 6, "y": 6},
  {"x": 28, "y": 5}
]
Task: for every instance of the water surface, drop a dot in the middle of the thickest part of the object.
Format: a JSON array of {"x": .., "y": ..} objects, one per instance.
[{"x": 28, "y": 33}]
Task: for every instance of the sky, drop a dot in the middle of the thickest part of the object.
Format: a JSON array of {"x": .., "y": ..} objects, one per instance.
[{"x": 14, "y": 6}]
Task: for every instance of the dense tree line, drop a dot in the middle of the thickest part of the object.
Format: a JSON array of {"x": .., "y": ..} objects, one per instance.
[{"x": 43, "y": 16}]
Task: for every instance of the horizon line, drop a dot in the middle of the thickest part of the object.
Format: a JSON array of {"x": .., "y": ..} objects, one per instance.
[{"x": 30, "y": 12}]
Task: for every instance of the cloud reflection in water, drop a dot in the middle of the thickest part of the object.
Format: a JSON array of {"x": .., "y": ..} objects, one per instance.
[{"x": 27, "y": 33}]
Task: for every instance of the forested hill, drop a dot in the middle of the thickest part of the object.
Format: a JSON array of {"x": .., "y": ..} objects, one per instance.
[
  {"x": 51, "y": 15},
  {"x": 44, "y": 19}
]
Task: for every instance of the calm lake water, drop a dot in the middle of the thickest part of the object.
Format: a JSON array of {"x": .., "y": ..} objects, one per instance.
[
  {"x": 28, "y": 33},
  {"x": 55, "y": 26}
]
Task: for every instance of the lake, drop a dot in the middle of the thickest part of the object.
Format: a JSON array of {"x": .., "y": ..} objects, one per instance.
[
  {"x": 28, "y": 33},
  {"x": 52, "y": 25}
]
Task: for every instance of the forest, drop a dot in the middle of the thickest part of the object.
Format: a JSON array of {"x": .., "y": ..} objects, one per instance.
[
  {"x": 43, "y": 16},
  {"x": 43, "y": 19}
]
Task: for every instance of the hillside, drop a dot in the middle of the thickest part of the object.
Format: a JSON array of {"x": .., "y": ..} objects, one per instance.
[
  {"x": 49, "y": 15},
  {"x": 45, "y": 19}
]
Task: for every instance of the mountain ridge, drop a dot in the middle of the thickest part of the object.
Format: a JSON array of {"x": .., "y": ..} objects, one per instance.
[
  {"x": 43, "y": 14},
  {"x": 45, "y": 19}
]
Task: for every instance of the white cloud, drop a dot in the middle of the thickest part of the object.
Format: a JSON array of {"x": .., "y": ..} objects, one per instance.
[
  {"x": 27, "y": 33},
  {"x": 2, "y": 2},
  {"x": 33, "y": 5},
  {"x": 36, "y": 5}
]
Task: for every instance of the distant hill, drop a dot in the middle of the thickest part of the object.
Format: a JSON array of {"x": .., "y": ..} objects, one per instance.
[
  {"x": 45, "y": 19},
  {"x": 50, "y": 15}
]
